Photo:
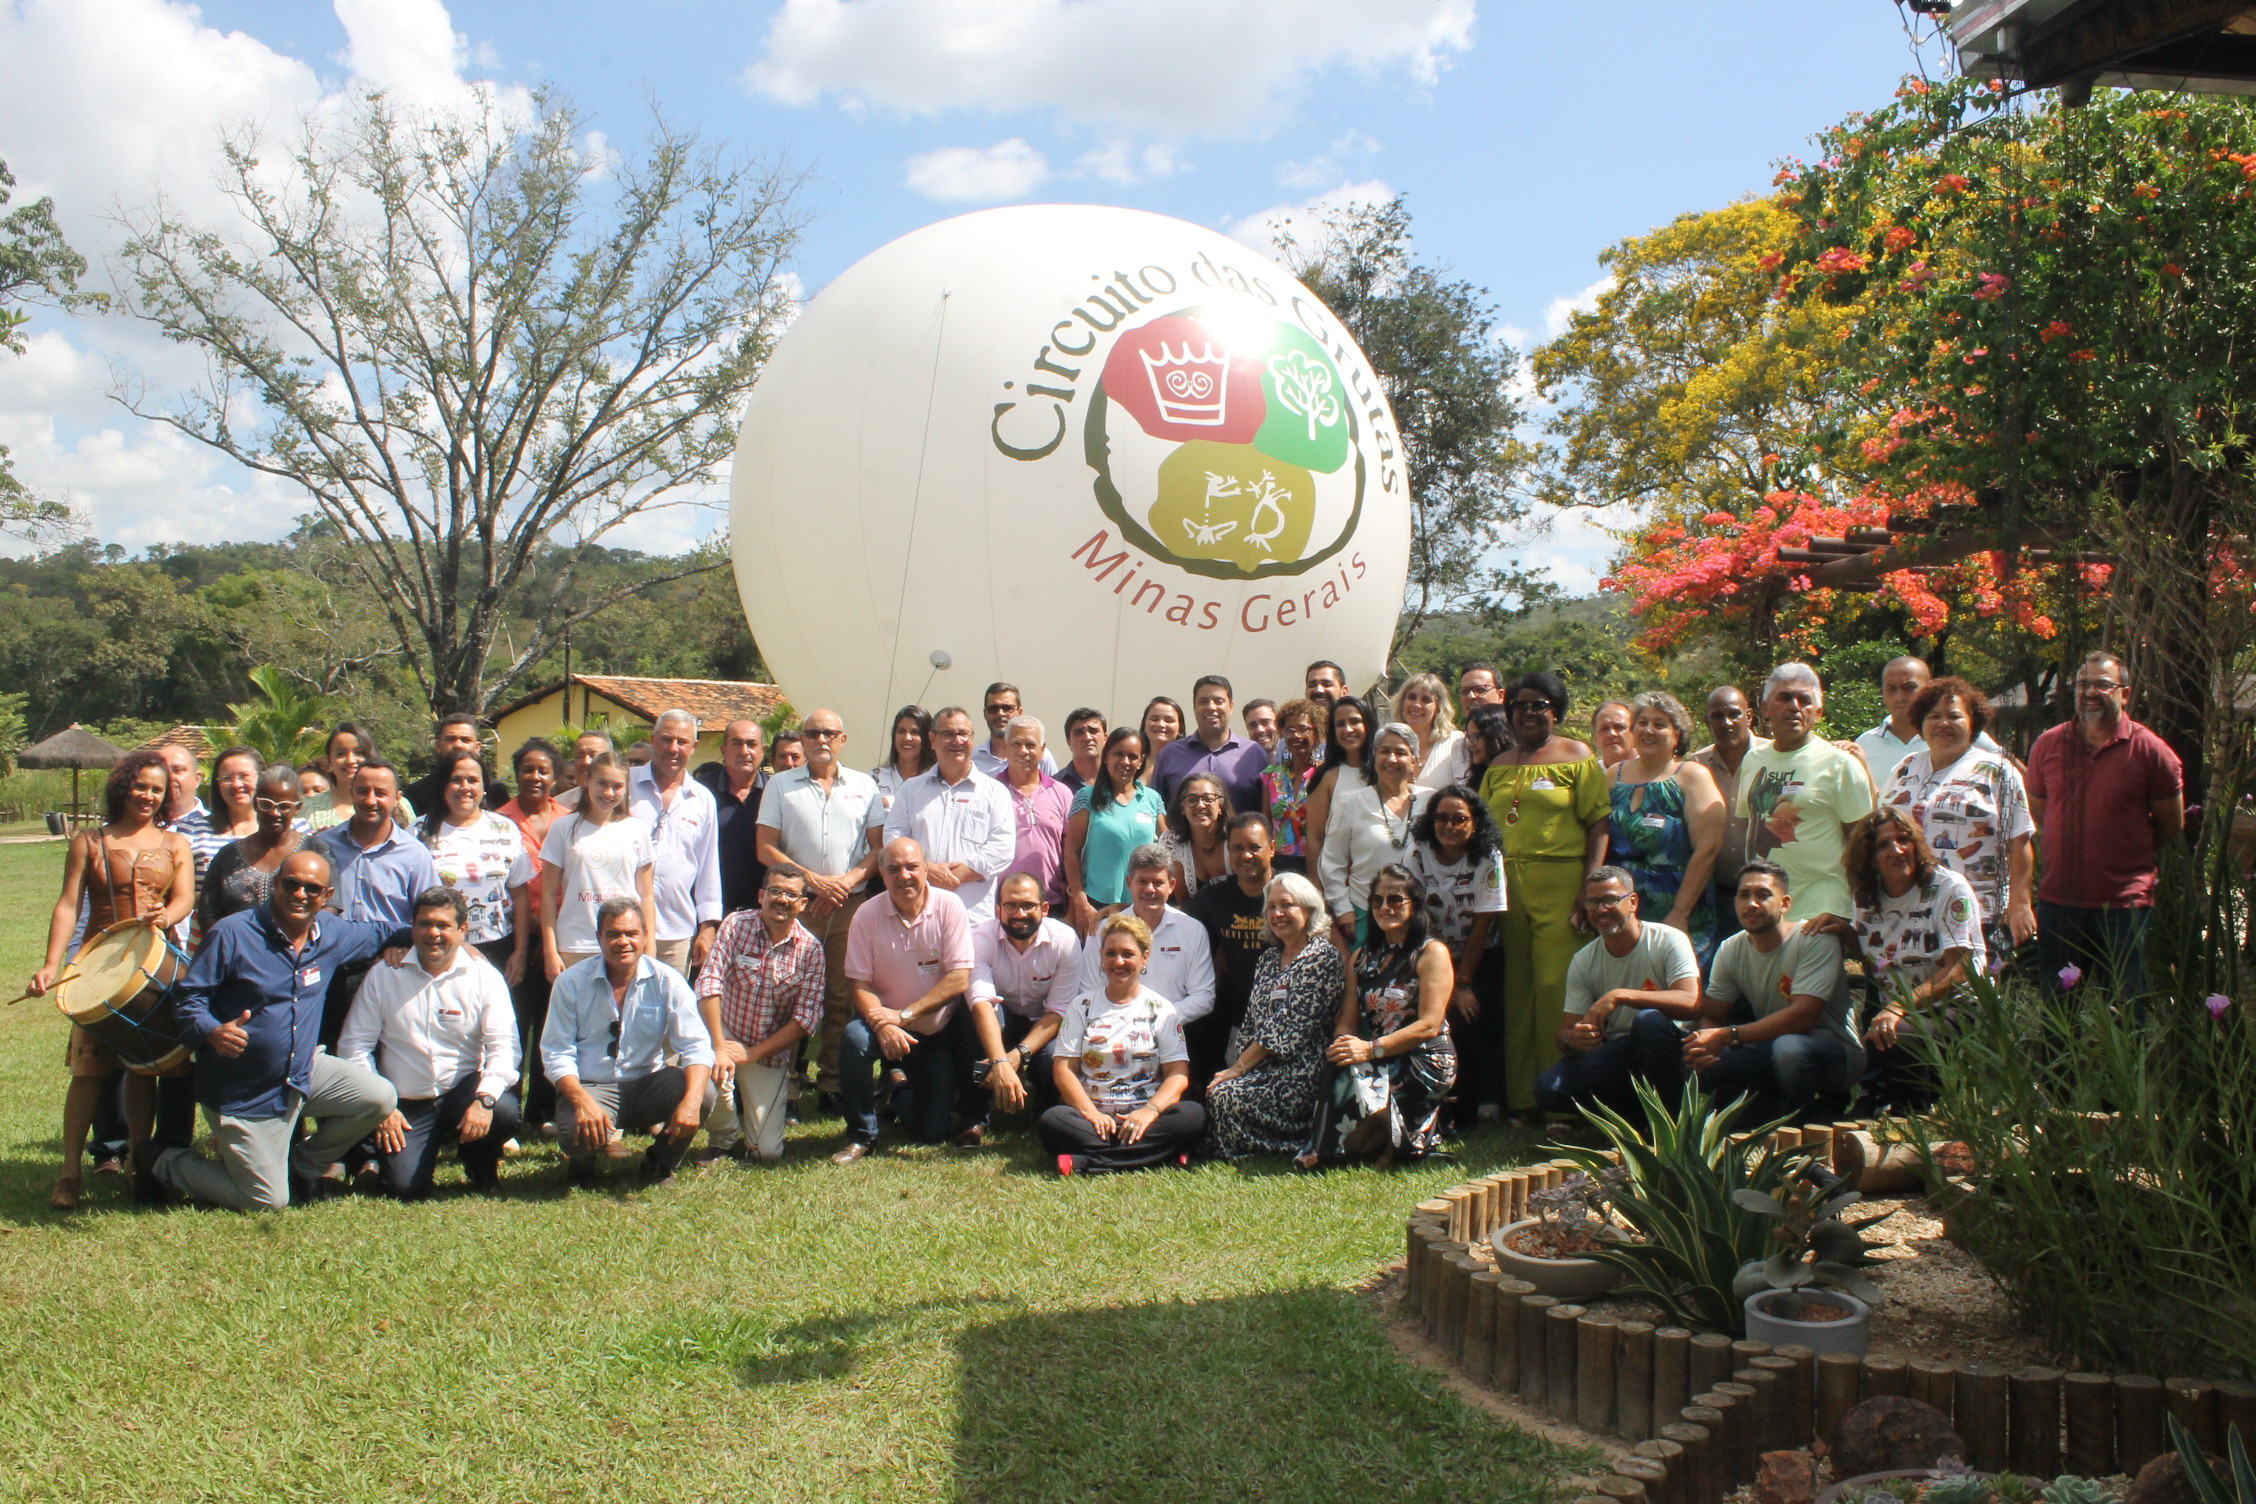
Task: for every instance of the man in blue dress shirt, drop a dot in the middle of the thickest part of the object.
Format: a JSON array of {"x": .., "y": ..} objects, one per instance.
[
  {"x": 611, "y": 1020},
  {"x": 251, "y": 1004},
  {"x": 380, "y": 866}
]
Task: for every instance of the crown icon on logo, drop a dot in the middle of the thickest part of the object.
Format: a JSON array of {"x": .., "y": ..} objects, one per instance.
[{"x": 1191, "y": 389}]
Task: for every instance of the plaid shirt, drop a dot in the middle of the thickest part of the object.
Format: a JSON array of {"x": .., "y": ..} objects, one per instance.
[{"x": 761, "y": 982}]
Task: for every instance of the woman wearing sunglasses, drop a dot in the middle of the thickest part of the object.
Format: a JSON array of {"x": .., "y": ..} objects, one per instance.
[{"x": 1552, "y": 808}]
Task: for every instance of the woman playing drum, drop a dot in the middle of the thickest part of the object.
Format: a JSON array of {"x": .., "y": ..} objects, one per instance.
[{"x": 128, "y": 869}]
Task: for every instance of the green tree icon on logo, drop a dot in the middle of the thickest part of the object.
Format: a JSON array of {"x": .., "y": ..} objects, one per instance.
[{"x": 1304, "y": 386}]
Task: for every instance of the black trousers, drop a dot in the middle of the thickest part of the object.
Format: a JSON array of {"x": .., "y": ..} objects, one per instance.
[
  {"x": 436, "y": 1121},
  {"x": 530, "y": 1000},
  {"x": 635, "y": 1106},
  {"x": 1065, "y": 1131}
]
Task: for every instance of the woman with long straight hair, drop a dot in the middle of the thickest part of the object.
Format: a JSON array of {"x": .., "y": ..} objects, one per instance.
[
  {"x": 1346, "y": 768},
  {"x": 908, "y": 753},
  {"x": 1110, "y": 818},
  {"x": 598, "y": 852}
]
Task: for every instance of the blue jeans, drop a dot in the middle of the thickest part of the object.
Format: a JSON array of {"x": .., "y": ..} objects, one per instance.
[
  {"x": 2107, "y": 945},
  {"x": 1782, "y": 1074},
  {"x": 434, "y": 1121},
  {"x": 937, "y": 1069},
  {"x": 1652, "y": 1050}
]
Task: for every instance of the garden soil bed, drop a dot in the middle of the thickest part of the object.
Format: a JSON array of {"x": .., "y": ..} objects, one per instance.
[{"x": 1938, "y": 1302}]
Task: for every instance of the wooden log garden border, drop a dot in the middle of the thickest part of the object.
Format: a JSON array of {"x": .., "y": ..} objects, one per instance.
[{"x": 1698, "y": 1409}]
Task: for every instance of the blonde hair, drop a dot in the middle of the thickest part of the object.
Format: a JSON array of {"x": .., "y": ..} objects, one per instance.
[
  {"x": 1444, "y": 721},
  {"x": 1125, "y": 923}
]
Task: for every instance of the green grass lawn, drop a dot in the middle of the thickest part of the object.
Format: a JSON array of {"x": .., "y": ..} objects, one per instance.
[{"x": 925, "y": 1325}]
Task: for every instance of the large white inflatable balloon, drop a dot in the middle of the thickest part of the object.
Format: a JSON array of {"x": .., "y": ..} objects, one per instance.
[{"x": 1092, "y": 451}]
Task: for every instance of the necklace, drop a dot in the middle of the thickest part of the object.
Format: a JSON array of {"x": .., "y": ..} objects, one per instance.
[{"x": 1398, "y": 839}]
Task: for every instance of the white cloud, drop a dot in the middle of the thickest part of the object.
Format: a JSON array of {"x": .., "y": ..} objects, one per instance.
[
  {"x": 1304, "y": 219},
  {"x": 408, "y": 48},
  {"x": 1330, "y": 164},
  {"x": 1170, "y": 67},
  {"x": 1125, "y": 162},
  {"x": 978, "y": 175},
  {"x": 1560, "y": 311},
  {"x": 106, "y": 105}
]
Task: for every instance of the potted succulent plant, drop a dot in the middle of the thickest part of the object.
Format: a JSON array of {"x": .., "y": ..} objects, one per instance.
[
  {"x": 1551, "y": 1249},
  {"x": 1810, "y": 1291}
]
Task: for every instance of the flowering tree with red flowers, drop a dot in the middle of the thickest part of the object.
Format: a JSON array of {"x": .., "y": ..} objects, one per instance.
[{"x": 2053, "y": 309}]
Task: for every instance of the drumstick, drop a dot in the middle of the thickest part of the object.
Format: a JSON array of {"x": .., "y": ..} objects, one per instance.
[{"x": 68, "y": 974}]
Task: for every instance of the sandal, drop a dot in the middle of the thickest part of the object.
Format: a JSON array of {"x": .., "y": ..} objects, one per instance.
[{"x": 67, "y": 1190}]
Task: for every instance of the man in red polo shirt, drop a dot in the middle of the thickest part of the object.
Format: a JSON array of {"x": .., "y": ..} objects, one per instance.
[{"x": 2106, "y": 793}]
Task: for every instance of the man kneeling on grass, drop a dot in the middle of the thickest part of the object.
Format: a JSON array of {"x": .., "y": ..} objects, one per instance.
[
  {"x": 442, "y": 1030},
  {"x": 1777, "y": 1008},
  {"x": 611, "y": 1020},
  {"x": 1625, "y": 996}
]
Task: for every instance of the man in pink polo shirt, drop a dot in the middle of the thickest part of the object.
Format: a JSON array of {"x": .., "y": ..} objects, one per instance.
[
  {"x": 909, "y": 960},
  {"x": 2106, "y": 792}
]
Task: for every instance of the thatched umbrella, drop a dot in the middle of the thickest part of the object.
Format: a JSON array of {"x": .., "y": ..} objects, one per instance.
[{"x": 75, "y": 748}]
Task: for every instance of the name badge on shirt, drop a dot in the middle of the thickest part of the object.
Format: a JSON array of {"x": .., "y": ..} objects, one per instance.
[
  {"x": 310, "y": 977},
  {"x": 1542, "y": 783},
  {"x": 928, "y": 967},
  {"x": 1656, "y": 821}
]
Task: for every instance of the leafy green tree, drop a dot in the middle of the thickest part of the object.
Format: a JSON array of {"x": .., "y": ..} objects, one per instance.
[
  {"x": 36, "y": 264},
  {"x": 1448, "y": 375},
  {"x": 2052, "y": 309},
  {"x": 473, "y": 345}
]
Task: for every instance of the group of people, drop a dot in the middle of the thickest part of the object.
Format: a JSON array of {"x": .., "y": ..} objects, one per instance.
[{"x": 1334, "y": 926}]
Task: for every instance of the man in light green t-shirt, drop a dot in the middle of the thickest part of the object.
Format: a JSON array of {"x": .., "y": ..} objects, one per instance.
[
  {"x": 1625, "y": 992},
  {"x": 1779, "y": 1025},
  {"x": 1801, "y": 794}
]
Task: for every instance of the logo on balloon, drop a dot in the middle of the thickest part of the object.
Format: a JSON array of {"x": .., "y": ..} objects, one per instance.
[{"x": 1222, "y": 440}]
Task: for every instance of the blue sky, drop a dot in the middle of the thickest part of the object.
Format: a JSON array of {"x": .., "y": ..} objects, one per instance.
[{"x": 1527, "y": 138}]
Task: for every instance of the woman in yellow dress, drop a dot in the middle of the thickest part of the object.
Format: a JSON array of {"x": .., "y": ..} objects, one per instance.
[{"x": 1549, "y": 796}]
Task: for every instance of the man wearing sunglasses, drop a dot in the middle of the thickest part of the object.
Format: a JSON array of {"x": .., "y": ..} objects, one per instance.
[
  {"x": 1626, "y": 998},
  {"x": 251, "y": 1003},
  {"x": 611, "y": 1020}
]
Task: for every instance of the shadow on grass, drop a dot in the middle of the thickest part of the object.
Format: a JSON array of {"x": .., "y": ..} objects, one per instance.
[{"x": 1294, "y": 1395}]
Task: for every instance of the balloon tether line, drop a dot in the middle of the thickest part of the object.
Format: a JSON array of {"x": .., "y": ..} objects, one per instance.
[{"x": 916, "y": 505}]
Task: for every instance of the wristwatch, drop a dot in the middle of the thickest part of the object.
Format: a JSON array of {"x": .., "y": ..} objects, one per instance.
[{"x": 486, "y": 1101}]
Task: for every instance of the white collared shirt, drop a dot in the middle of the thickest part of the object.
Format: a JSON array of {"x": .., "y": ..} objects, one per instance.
[
  {"x": 1039, "y": 979},
  {"x": 424, "y": 1033},
  {"x": 971, "y": 821},
  {"x": 1181, "y": 969},
  {"x": 685, "y": 852},
  {"x": 821, "y": 829}
]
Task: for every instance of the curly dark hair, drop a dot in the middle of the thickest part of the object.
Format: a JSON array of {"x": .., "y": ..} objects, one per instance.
[
  {"x": 1485, "y": 838},
  {"x": 1978, "y": 709},
  {"x": 121, "y": 779},
  {"x": 1864, "y": 877}
]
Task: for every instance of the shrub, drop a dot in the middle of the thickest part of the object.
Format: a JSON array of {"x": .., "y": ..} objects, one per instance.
[{"x": 2113, "y": 1184}]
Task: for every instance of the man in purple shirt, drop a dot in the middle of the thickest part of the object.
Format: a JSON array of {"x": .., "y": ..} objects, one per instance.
[
  {"x": 1236, "y": 760},
  {"x": 909, "y": 958},
  {"x": 1042, "y": 804}
]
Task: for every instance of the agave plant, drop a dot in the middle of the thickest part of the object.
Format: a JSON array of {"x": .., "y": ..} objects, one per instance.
[
  {"x": 1677, "y": 1190},
  {"x": 2207, "y": 1486},
  {"x": 1815, "y": 1247}
]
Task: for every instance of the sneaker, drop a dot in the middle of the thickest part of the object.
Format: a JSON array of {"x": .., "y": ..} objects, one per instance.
[
  {"x": 855, "y": 1149},
  {"x": 1067, "y": 1165}
]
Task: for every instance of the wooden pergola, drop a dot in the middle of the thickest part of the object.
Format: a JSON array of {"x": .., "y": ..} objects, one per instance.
[{"x": 2190, "y": 46}]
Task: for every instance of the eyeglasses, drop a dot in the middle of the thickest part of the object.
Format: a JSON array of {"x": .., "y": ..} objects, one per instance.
[
  {"x": 1201, "y": 800},
  {"x": 1390, "y": 900},
  {"x": 1459, "y": 818},
  {"x": 2097, "y": 686},
  {"x": 299, "y": 885},
  {"x": 1519, "y": 705},
  {"x": 1605, "y": 900},
  {"x": 276, "y": 806},
  {"x": 822, "y": 733},
  {"x": 782, "y": 895}
]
